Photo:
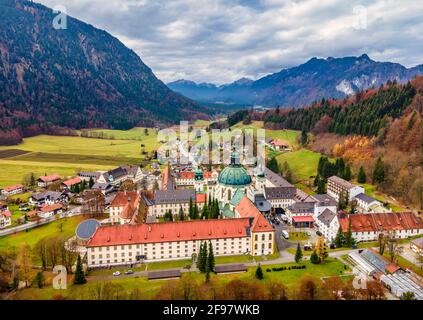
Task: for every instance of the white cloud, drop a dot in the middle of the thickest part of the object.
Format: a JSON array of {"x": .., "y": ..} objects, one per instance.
[{"x": 223, "y": 40}]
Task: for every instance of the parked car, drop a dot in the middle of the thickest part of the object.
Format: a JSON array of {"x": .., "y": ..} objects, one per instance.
[
  {"x": 319, "y": 233},
  {"x": 285, "y": 234},
  {"x": 129, "y": 272},
  {"x": 116, "y": 274}
]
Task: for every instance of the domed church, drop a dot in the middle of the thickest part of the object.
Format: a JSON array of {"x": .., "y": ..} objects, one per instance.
[{"x": 232, "y": 179}]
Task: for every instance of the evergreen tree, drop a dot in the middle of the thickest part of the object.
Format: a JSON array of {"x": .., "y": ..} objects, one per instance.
[
  {"x": 361, "y": 175},
  {"x": 321, "y": 187},
  {"x": 210, "y": 259},
  {"x": 91, "y": 182},
  {"x": 347, "y": 174},
  {"x": 298, "y": 254},
  {"x": 259, "y": 273},
  {"x": 379, "y": 172},
  {"x": 207, "y": 277},
  {"x": 340, "y": 166},
  {"x": 314, "y": 258},
  {"x": 348, "y": 236},
  {"x": 31, "y": 179},
  {"x": 339, "y": 239},
  {"x": 272, "y": 164},
  {"x": 79, "y": 277},
  {"x": 304, "y": 137},
  {"x": 39, "y": 279},
  {"x": 191, "y": 210},
  {"x": 168, "y": 216},
  {"x": 205, "y": 213},
  {"x": 200, "y": 258},
  {"x": 195, "y": 214},
  {"x": 181, "y": 214}
]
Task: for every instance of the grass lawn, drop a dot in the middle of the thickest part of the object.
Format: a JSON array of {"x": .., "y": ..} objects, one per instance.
[
  {"x": 132, "y": 134},
  {"x": 168, "y": 264},
  {"x": 24, "y": 197},
  {"x": 303, "y": 163},
  {"x": 32, "y": 236},
  {"x": 298, "y": 236},
  {"x": 148, "y": 289},
  {"x": 237, "y": 259}
]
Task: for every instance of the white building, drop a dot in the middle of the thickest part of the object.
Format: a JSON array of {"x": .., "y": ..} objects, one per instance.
[
  {"x": 12, "y": 190},
  {"x": 124, "y": 207},
  {"x": 328, "y": 224},
  {"x": 129, "y": 244},
  {"x": 5, "y": 219},
  {"x": 280, "y": 197},
  {"x": 338, "y": 186},
  {"x": 49, "y": 211},
  {"x": 368, "y": 227}
]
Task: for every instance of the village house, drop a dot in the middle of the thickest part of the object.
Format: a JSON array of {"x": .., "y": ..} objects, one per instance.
[
  {"x": 300, "y": 214},
  {"x": 45, "y": 181},
  {"x": 338, "y": 187},
  {"x": 48, "y": 198},
  {"x": 12, "y": 190},
  {"x": 5, "y": 219},
  {"x": 48, "y": 211},
  {"x": 68, "y": 184},
  {"x": 367, "y": 227},
  {"x": 124, "y": 207},
  {"x": 280, "y": 145},
  {"x": 105, "y": 188}
]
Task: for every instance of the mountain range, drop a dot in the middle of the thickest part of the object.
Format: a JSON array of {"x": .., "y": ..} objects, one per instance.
[
  {"x": 78, "y": 77},
  {"x": 304, "y": 84}
]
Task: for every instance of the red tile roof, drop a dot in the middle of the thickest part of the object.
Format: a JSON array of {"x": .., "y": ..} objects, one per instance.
[
  {"x": 381, "y": 222},
  {"x": 169, "y": 232},
  {"x": 124, "y": 197},
  {"x": 72, "y": 181},
  {"x": 188, "y": 175},
  {"x": 303, "y": 219},
  {"x": 247, "y": 209},
  {"x": 201, "y": 198},
  {"x": 280, "y": 143},
  {"x": 6, "y": 213},
  {"x": 129, "y": 200},
  {"x": 51, "y": 178},
  {"x": 167, "y": 179},
  {"x": 12, "y": 188},
  {"x": 53, "y": 207}
]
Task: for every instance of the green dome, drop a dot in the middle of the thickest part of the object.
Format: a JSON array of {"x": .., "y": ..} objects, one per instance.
[{"x": 234, "y": 176}]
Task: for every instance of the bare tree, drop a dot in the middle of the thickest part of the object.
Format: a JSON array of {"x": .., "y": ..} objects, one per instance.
[{"x": 94, "y": 203}]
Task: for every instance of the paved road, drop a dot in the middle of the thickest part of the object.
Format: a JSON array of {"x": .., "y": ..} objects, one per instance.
[{"x": 29, "y": 225}]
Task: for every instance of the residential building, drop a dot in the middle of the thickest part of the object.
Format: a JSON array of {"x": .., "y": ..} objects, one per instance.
[
  {"x": 368, "y": 227},
  {"x": 280, "y": 145},
  {"x": 105, "y": 188},
  {"x": 45, "y": 181},
  {"x": 338, "y": 187},
  {"x": 5, "y": 219},
  {"x": 124, "y": 207},
  {"x": 275, "y": 180},
  {"x": 12, "y": 190},
  {"x": 68, "y": 184},
  {"x": 48, "y": 198},
  {"x": 48, "y": 211},
  {"x": 367, "y": 204}
]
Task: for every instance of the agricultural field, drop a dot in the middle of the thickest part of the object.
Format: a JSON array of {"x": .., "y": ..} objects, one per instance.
[{"x": 67, "y": 155}]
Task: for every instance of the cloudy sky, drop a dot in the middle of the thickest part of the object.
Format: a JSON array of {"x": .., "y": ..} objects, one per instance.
[{"x": 223, "y": 40}]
